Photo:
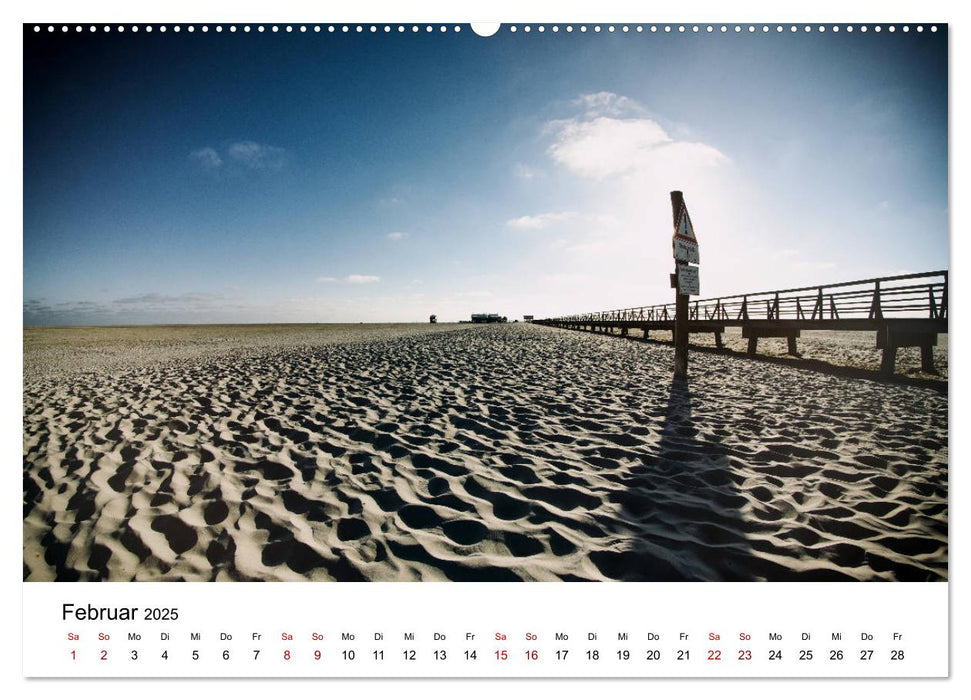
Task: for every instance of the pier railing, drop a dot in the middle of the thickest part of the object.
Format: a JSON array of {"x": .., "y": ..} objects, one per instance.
[
  {"x": 904, "y": 310},
  {"x": 918, "y": 295}
]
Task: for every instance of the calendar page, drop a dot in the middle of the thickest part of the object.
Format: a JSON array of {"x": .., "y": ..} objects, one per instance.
[{"x": 435, "y": 349}]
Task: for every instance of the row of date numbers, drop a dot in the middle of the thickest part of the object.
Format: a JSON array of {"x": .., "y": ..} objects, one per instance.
[{"x": 714, "y": 655}]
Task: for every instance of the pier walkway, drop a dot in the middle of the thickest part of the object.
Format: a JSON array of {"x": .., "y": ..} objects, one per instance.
[{"x": 904, "y": 311}]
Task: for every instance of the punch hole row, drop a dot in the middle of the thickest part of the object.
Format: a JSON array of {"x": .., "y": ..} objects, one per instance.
[
  {"x": 272, "y": 28},
  {"x": 428, "y": 28},
  {"x": 722, "y": 28}
]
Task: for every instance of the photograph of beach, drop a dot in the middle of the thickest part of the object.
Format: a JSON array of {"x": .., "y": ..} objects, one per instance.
[{"x": 405, "y": 305}]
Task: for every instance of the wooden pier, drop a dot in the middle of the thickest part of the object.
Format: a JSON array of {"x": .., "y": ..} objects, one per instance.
[{"x": 903, "y": 310}]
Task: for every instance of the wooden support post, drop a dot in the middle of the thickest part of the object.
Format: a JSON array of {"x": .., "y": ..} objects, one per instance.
[
  {"x": 681, "y": 306},
  {"x": 792, "y": 345},
  {"x": 718, "y": 341},
  {"x": 889, "y": 338},
  {"x": 889, "y": 360},
  {"x": 623, "y": 331},
  {"x": 753, "y": 344}
]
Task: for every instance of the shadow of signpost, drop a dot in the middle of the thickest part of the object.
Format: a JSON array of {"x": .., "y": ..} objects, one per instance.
[{"x": 685, "y": 505}]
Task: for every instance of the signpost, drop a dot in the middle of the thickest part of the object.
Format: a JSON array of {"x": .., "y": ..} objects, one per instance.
[{"x": 685, "y": 279}]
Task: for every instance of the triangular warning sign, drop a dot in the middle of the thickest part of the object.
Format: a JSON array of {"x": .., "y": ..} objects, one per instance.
[{"x": 684, "y": 229}]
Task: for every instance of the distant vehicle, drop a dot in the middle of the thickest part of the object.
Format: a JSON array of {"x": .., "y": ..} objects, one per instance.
[
  {"x": 488, "y": 318},
  {"x": 527, "y": 319},
  {"x": 433, "y": 319}
]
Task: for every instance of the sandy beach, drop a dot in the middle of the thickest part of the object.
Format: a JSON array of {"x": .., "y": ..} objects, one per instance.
[{"x": 499, "y": 453}]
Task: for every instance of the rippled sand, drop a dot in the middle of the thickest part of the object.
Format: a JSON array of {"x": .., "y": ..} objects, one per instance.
[{"x": 509, "y": 452}]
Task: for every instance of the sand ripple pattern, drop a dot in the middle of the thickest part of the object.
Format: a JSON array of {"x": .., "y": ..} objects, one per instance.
[{"x": 500, "y": 453}]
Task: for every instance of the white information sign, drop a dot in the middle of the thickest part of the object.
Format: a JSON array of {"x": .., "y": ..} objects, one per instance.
[
  {"x": 688, "y": 282},
  {"x": 685, "y": 250}
]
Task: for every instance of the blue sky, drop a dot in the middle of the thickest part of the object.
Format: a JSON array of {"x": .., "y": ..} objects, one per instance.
[{"x": 328, "y": 177}]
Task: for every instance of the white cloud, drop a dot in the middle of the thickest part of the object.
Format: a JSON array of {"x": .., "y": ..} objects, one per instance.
[
  {"x": 539, "y": 221},
  {"x": 362, "y": 279},
  {"x": 604, "y": 146},
  {"x": 397, "y": 235},
  {"x": 615, "y": 165},
  {"x": 326, "y": 279},
  {"x": 207, "y": 158},
  {"x": 258, "y": 156}
]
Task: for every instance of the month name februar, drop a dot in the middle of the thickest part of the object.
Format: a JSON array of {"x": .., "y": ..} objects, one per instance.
[{"x": 92, "y": 613}]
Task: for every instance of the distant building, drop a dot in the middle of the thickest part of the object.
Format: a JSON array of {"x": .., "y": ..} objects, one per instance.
[
  {"x": 527, "y": 319},
  {"x": 488, "y": 318},
  {"x": 433, "y": 319}
]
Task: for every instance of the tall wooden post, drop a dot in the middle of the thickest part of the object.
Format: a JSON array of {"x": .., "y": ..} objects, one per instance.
[{"x": 681, "y": 305}]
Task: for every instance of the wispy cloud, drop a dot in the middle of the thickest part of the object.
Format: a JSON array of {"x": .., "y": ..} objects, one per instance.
[
  {"x": 397, "y": 236},
  {"x": 207, "y": 158},
  {"x": 257, "y": 156},
  {"x": 540, "y": 221},
  {"x": 247, "y": 155},
  {"x": 349, "y": 279},
  {"x": 607, "y": 104},
  {"x": 155, "y": 300},
  {"x": 139, "y": 308},
  {"x": 362, "y": 279}
]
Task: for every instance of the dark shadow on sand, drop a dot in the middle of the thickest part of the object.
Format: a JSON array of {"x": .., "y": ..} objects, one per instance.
[
  {"x": 814, "y": 365},
  {"x": 697, "y": 518},
  {"x": 684, "y": 505}
]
